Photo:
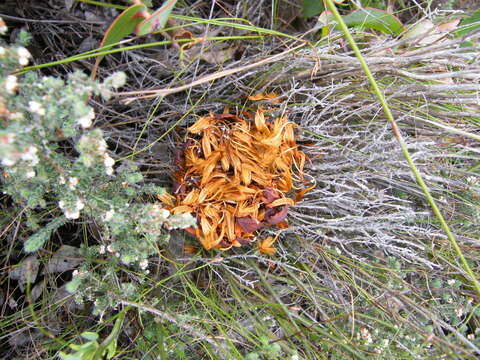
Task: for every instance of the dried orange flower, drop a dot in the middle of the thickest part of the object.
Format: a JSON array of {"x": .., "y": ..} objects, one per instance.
[{"x": 236, "y": 174}]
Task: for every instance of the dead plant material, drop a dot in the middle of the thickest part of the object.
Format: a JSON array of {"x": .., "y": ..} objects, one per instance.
[{"x": 237, "y": 174}]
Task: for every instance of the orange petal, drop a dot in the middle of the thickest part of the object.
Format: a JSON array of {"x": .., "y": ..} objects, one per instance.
[
  {"x": 201, "y": 124},
  {"x": 280, "y": 202},
  {"x": 265, "y": 245},
  {"x": 265, "y": 96},
  {"x": 167, "y": 199},
  {"x": 182, "y": 209},
  {"x": 302, "y": 193}
]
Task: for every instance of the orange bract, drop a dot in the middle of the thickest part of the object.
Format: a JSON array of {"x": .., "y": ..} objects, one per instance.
[{"x": 235, "y": 174}]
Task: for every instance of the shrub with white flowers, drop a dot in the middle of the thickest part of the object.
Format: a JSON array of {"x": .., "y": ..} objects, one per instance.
[{"x": 38, "y": 116}]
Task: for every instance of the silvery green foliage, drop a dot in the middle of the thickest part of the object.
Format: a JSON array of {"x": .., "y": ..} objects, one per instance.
[{"x": 52, "y": 158}]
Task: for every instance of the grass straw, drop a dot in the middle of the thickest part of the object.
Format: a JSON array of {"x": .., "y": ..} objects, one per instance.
[{"x": 406, "y": 154}]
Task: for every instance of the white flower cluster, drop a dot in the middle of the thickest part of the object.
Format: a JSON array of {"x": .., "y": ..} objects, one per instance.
[
  {"x": 108, "y": 215},
  {"x": 96, "y": 148},
  {"x": 28, "y": 156},
  {"x": 108, "y": 162},
  {"x": 72, "y": 183},
  {"x": 23, "y": 56},
  {"x": 11, "y": 84},
  {"x": 366, "y": 336},
  {"x": 143, "y": 264},
  {"x": 72, "y": 212}
]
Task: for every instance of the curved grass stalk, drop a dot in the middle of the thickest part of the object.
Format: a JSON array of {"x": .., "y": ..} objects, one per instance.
[{"x": 406, "y": 154}]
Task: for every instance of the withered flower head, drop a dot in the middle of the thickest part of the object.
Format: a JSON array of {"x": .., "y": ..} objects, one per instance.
[{"x": 235, "y": 173}]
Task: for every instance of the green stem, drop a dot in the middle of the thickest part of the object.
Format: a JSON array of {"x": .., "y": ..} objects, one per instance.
[{"x": 400, "y": 140}]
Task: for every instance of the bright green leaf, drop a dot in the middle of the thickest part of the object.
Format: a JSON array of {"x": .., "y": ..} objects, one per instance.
[
  {"x": 89, "y": 335},
  {"x": 312, "y": 7},
  {"x": 375, "y": 19},
  {"x": 157, "y": 20},
  {"x": 469, "y": 24}
]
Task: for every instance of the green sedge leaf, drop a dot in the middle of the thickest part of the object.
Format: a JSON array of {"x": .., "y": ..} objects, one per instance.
[
  {"x": 157, "y": 20},
  {"x": 312, "y": 7},
  {"x": 122, "y": 26}
]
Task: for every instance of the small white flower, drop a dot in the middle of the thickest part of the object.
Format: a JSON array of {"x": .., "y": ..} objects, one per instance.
[
  {"x": 143, "y": 264},
  {"x": 22, "y": 52},
  {"x": 2, "y": 51},
  {"x": 30, "y": 174},
  {"x": 86, "y": 120},
  {"x": 102, "y": 145},
  {"x": 459, "y": 311},
  {"x": 101, "y": 250},
  {"x": 23, "y": 61},
  {"x": 109, "y": 171},
  {"x": 110, "y": 249},
  {"x": 366, "y": 335},
  {"x": 75, "y": 273},
  {"x": 80, "y": 205},
  {"x": 36, "y": 108},
  {"x": 471, "y": 336},
  {"x": 108, "y": 215},
  {"x": 30, "y": 154},
  {"x": 108, "y": 161},
  {"x": 61, "y": 204},
  {"x": 451, "y": 282},
  {"x": 61, "y": 180},
  {"x": 72, "y": 182},
  {"x": 11, "y": 84},
  {"x": 72, "y": 214}
]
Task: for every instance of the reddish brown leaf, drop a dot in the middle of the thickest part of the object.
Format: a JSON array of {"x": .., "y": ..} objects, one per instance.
[
  {"x": 242, "y": 240},
  {"x": 276, "y": 214},
  {"x": 270, "y": 195},
  {"x": 248, "y": 224}
]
